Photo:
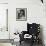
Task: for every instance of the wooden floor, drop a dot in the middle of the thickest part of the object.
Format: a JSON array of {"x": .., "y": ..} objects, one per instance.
[
  {"x": 6, "y": 40},
  {"x": 5, "y": 44}
]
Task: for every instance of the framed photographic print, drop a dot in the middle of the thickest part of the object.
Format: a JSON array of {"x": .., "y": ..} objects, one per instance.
[{"x": 21, "y": 14}]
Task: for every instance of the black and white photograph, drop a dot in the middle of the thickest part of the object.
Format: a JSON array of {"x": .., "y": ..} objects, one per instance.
[
  {"x": 21, "y": 14},
  {"x": 22, "y": 22}
]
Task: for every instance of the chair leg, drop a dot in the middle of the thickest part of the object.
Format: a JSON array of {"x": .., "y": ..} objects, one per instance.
[
  {"x": 32, "y": 42},
  {"x": 20, "y": 42}
]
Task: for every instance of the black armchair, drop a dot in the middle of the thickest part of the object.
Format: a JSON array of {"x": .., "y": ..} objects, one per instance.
[{"x": 32, "y": 29}]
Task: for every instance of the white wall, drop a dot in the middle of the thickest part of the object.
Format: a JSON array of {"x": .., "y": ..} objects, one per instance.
[
  {"x": 3, "y": 1},
  {"x": 35, "y": 13},
  {"x": 3, "y": 21}
]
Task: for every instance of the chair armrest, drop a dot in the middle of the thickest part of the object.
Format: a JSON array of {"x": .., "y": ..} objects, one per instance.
[
  {"x": 22, "y": 35},
  {"x": 24, "y": 32}
]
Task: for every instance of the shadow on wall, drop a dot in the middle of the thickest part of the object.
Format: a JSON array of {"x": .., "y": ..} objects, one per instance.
[{"x": 41, "y": 34}]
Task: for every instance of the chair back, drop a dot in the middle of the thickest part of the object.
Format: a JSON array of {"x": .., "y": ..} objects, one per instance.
[{"x": 33, "y": 28}]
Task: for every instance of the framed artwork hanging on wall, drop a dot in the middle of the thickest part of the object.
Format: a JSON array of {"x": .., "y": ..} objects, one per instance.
[{"x": 21, "y": 14}]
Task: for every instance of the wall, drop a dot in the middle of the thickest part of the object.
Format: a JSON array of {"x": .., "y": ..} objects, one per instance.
[
  {"x": 3, "y": 1},
  {"x": 4, "y": 34},
  {"x": 3, "y": 8},
  {"x": 35, "y": 13}
]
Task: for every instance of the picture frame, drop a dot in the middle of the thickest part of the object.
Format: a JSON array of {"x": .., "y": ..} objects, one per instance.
[{"x": 21, "y": 14}]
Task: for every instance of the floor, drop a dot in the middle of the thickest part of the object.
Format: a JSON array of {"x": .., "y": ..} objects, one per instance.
[
  {"x": 23, "y": 44},
  {"x": 6, "y": 44},
  {"x": 27, "y": 44}
]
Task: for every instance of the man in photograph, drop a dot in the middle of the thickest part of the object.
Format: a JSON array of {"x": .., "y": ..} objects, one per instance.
[{"x": 21, "y": 15}]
